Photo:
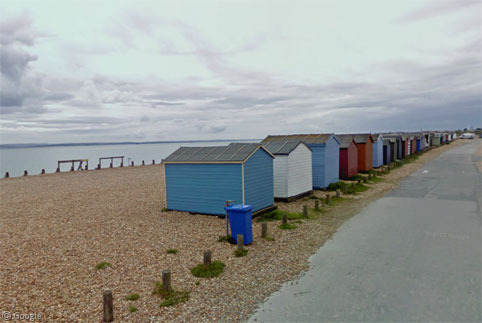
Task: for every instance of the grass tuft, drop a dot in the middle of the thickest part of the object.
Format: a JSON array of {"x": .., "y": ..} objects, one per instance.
[
  {"x": 171, "y": 251},
  {"x": 240, "y": 253},
  {"x": 224, "y": 238},
  {"x": 171, "y": 297},
  {"x": 336, "y": 186},
  {"x": 102, "y": 265},
  {"x": 132, "y": 308},
  {"x": 214, "y": 270},
  {"x": 133, "y": 297},
  {"x": 269, "y": 238},
  {"x": 164, "y": 209},
  {"x": 278, "y": 215},
  {"x": 287, "y": 226}
]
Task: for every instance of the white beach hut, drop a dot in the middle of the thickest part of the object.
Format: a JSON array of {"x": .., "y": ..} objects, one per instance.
[{"x": 292, "y": 169}]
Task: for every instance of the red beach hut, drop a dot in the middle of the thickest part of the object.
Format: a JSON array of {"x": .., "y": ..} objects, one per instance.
[{"x": 348, "y": 156}]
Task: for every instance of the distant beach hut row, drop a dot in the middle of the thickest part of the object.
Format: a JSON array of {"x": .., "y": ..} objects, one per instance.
[{"x": 281, "y": 167}]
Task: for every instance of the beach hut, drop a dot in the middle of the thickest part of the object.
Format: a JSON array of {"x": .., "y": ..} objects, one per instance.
[
  {"x": 365, "y": 151},
  {"x": 325, "y": 155},
  {"x": 397, "y": 145},
  {"x": 292, "y": 169},
  {"x": 419, "y": 144},
  {"x": 413, "y": 147},
  {"x": 377, "y": 150},
  {"x": 389, "y": 145},
  {"x": 202, "y": 179},
  {"x": 437, "y": 139},
  {"x": 348, "y": 156}
]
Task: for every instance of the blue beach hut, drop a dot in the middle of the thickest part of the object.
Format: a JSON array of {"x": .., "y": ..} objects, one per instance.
[
  {"x": 325, "y": 156},
  {"x": 377, "y": 151},
  {"x": 202, "y": 179}
]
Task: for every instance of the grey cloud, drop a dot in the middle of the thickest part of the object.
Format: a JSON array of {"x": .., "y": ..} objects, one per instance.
[
  {"x": 437, "y": 8},
  {"x": 58, "y": 96}
]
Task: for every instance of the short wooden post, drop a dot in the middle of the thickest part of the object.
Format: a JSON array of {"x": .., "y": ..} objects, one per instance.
[
  {"x": 359, "y": 181},
  {"x": 143, "y": 163},
  {"x": 122, "y": 164},
  {"x": 98, "y": 166},
  {"x": 7, "y": 175},
  {"x": 364, "y": 179},
  {"x": 132, "y": 163},
  {"x": 72, "y": 168},
  {"x": 285, "y": 219},
  {"x": 111, "y": 165},
  {"x": 207, "y": 258},
  {"x": 240, "y": 242},
  {"x": 153, "y": 162},
  {"x": 108, "y": 307},
  {"x": 57, "y": 170},
  {"x": 338, "y": 193},
  {"x": 328, "y": 197},
  {"x": 305, "y": 211},
  {"x": 264, "y": 230},
  {"x": 43, "y": 171},
  {"x": 353, "y": 188},
  {"x": 166, "y": 280},
  {"x": 317, "y": 204},
  {"x": 87, "y": 167},
  {"x": 25, "y": 173}
]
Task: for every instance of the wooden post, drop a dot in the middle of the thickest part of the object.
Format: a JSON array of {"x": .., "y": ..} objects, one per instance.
[
  {"x": 72, "y": 168},
  {"x": 98, "y": 166},
  {"x": 43, "y": 171},
  {"x": 338, "y": 193},
  {"x": 111, "y": 165},
  {"x": 364, "y": 179},
  {"x": 328, "y": 197},
  {"x": 153, "y": 162},
  {"x": 7, "y": 175},
  {"x": 353, "y": 188},
  {"x": 122, "y": 164},
  {"x": 132, "y": 163},
  {"x": 359, "y": 181},
  {"x": 86, "y": 166},
  {"x": 305, "y": 211},
  {"x": 108, "y": 306},
  {"x": 285, "y": 219},
  {"x": 57, "y": 170},
  {"x": 240, "y": 241},
  {"x": 143, "y": 164},
  {"x": 166, "y": 280},
  {"x": 25, "y": 173},
  {"x": 207, "y": 258},
  {"x": 264, "y": 230},
  {"x": 317, "y": 204}
]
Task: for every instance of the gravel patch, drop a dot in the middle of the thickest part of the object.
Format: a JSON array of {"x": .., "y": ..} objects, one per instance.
[{"x": 56, "y": 228}]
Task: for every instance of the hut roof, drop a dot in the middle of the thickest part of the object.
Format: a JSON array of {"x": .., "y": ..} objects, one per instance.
[
  {"x": 283, "y": 147},
  {"x": 345, "y": 140},
  {"x": 307, "y": 139},
  {"x": 361, "y": 138},
  {"x": 376, "y": 136},
  {"x": 234, "y": 152}
]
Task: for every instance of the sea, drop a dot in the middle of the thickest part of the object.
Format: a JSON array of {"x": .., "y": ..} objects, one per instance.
[{"x": 16, "y": 160}]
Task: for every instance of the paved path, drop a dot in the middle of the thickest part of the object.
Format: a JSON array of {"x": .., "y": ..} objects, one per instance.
[{"x": 414, "y": 255}]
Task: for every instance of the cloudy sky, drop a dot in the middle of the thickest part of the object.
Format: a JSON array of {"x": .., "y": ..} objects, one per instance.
[{"x": 76, "y": 71}]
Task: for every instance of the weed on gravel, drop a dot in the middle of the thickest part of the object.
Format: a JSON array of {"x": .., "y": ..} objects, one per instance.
[
  {"x": 208, "y": 271},
  {"x": 170, "y": 297},
  {"x": 102, "y": 265}
]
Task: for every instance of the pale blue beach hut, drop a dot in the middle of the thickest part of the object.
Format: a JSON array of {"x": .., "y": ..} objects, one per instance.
[
  {"x": 377, "y": 151},
  {"x": 202, "y": 179}
]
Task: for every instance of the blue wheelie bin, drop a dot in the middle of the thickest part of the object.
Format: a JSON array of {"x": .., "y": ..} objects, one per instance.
[{"x": 241, "y": 222}]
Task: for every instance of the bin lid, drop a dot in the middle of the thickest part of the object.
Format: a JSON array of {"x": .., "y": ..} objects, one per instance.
[{"x": 239, "y": 207}]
